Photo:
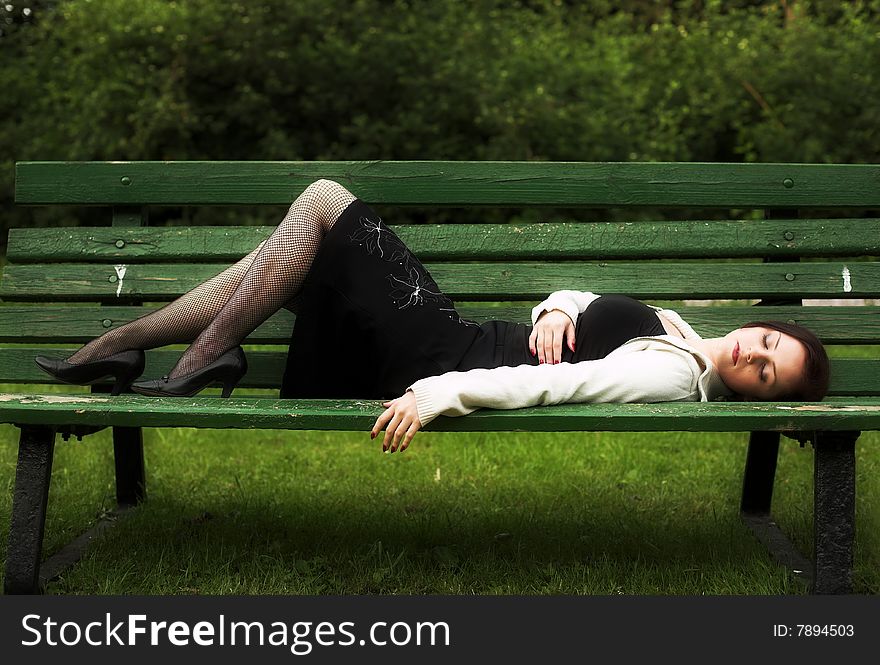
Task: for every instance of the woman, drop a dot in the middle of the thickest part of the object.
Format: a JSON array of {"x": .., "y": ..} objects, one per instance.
[{"x": 372, "y": 323}]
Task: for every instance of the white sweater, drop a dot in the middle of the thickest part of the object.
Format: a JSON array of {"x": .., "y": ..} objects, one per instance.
[{"x": 663, "y": 368}]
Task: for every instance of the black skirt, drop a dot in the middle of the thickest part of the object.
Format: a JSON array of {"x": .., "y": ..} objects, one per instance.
[{"x": 372, "y": 320}]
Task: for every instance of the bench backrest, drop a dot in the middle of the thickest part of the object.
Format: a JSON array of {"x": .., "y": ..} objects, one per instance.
[{"x": 64, "y": 286}]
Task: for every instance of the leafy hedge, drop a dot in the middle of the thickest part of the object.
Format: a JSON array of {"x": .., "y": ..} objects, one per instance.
[{"x": 371, "y": 79}]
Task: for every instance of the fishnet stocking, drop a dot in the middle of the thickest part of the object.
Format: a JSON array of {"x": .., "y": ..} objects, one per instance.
[{"x": 221, "y": 312}]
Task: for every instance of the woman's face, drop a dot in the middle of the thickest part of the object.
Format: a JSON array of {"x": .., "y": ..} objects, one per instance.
[{"x": 761, "y": 363}]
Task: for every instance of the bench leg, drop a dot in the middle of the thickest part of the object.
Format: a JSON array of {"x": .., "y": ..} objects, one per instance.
[
  {"x": 760, "y": 472},
  {"x": 36, "y": 448},
  {"x": 834, "y": 504},
  {"x": 757, "y": 494},
  {"x": 128, "y": 453}
]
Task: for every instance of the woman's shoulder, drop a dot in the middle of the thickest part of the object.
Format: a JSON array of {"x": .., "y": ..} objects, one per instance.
[{"x": 694, "y": 362}]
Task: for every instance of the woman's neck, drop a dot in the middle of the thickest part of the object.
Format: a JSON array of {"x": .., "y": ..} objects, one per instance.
[{"x": 710, "y": 347}]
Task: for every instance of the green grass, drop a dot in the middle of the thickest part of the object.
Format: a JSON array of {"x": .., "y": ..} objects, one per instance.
[{"x": 276, "y": 512}]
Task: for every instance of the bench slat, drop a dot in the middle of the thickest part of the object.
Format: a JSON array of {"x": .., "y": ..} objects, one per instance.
[
  {"x": 599, "y": 184},
  {"x": 547, "y": 241},
  {"x": 255, "y": 413},
  {"x": 265, "y": 369},
  {"x": 74, "y": 324},
  {"x": 482, "y": 281}
]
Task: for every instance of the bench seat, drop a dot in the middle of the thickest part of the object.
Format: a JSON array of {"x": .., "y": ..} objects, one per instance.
[{"x": 794, "y": 418}]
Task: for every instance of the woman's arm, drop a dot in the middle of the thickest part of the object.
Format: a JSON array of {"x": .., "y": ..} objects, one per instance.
[
  {"x": 570, "y": 302},
  {"x": 655, "y": 374},
  {"x": 640, "y": 373}
]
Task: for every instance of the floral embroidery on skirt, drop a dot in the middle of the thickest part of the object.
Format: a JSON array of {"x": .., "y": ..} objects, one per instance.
[{"x": 414, "y": 286}]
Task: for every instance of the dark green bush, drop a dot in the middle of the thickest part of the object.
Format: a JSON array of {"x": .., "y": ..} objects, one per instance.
[{"x": 372, "y": 79}]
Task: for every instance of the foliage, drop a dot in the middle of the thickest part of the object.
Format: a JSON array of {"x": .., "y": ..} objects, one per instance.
[{"x": 689, "y": 80}]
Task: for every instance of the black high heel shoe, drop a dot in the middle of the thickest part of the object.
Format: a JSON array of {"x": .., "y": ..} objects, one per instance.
[
  {"x": 124, "y": 366},
  {"x": 227, "y": 369}
]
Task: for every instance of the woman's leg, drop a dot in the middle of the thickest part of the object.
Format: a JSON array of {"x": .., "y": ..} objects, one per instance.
[
  {"x": 181, "y": 320},
  {"x": 274, "y": 276},
  {"x": 178, "y": 322}
]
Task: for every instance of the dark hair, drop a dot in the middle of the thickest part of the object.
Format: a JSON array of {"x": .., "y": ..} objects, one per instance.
[{"x": 814, "y": 380}]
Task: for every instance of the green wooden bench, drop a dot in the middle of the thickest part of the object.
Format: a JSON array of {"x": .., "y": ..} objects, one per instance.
[{"x": 64, "y": 286}]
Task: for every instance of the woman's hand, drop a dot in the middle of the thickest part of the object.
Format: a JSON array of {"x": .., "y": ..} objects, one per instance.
[
  {"x": 402, "y": 418},
  {"x": 550, "y": 331}
]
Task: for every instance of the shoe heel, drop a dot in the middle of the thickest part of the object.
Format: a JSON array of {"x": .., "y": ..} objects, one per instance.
[
  {"x": 125, "y": 379},
  {"x": 123, "y": 382},
  {"x": 229, "y": 383},
  {"x": 118, "y": 387},
  {"x": 229, "y": 386}
]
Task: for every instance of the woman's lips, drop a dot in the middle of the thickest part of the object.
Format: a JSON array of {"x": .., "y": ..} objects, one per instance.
[{"x": 735, "y": 354}]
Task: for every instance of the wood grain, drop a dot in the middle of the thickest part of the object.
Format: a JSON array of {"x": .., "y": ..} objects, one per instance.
[
  {"x": 491, "y": 242},
  {"x": 578, "y": 184}
]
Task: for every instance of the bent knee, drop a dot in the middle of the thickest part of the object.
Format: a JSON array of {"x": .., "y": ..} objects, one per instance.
[
  {"x": 328, "y": 199},
  {"x": 325, "y": 188}
]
